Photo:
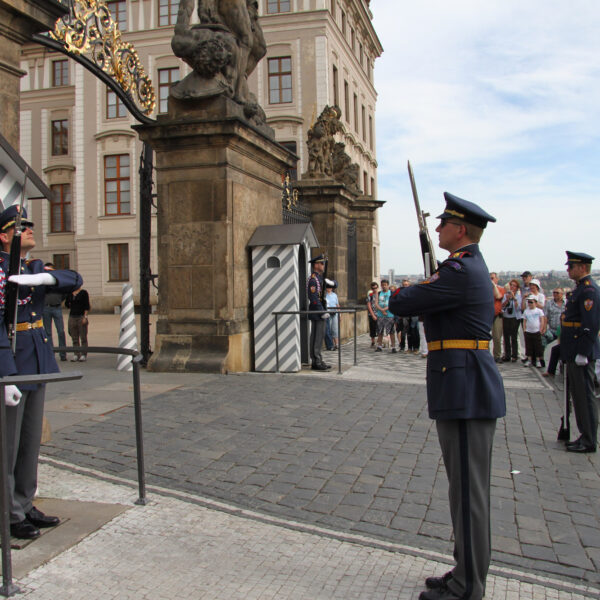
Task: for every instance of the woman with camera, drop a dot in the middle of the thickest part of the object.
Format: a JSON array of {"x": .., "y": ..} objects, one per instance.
[{"x": 511, "y": 318}]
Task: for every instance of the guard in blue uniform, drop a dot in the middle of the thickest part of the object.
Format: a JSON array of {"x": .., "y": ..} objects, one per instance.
[
  {"x": 580, "y": 348},
  {"x": 315, "y": 289},
  {"x": 34, "y": 355},
  {"x": 465, "y": 392}
]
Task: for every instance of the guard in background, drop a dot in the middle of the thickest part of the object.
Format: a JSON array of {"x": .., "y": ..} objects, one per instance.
[
  {"x": 53, "y": 314},
  {"x": 34, "y": 355},
  {"x": 580, "y": 348},
  {"x": 316, "y": 301},
  {"x": 465, "y": 392}
]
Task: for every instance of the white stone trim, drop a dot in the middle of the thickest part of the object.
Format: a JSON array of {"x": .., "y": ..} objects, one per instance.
[{"x": 78, "y": 138}]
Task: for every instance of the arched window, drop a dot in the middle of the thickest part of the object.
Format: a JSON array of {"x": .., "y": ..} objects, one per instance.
[{"x": 273, "y": 263}]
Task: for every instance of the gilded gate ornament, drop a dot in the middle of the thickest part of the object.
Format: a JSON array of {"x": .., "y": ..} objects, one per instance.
[{"x": 90, "y": 29}]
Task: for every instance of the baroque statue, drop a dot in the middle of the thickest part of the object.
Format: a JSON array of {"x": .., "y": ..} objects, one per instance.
[
  {"x": 326, "y": 157},
  {"x": 222, "y": 49}
]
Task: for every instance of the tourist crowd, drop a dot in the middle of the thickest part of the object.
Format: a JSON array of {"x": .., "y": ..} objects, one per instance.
[{"x": 525, "y": 321}]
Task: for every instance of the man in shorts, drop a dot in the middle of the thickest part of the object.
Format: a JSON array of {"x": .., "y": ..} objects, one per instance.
[{"x": 385, "y": 319}]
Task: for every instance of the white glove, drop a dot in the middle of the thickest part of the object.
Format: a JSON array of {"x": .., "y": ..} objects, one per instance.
[
  {"x": 581, "y": 360},
  {"x": 37, "y": 279},
  {"x": 325, "y": 316},
  {"x": 12, "y": 395}
]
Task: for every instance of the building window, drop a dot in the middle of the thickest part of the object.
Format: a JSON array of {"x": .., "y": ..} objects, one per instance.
[
  {"x": 344, "y": 24},
  {"x": 372, "y": 186},
  {"x": 365, "y": 183},
  {"x": 60, "y": 208},
  {"x": 61, "y": 261},
  {"x": 356, "y": 113},
  {"x": 118, "y": 262},
  {"x": 371, "y": 132},
  {"x": 364, "y": 123},
  {"x": 347, "y": 102},
  {"x": 60, "y": 137},
  {"x": 280, "y": 80},
  {"x": 292, "y": 146},
  {"x": 167, "y": 12},
  {"x": 336, "y": 95},
  {"x": 116, "y": 185},
  {"x": 115, "y": 108},
  {"x": 118, "y": 12},
  {"x": 166, "y": 78},
  {"x": 333, "y": 9},
  {"x": 361, "y": 54},
  {"x": 60, "y": 73},
  {"x": 352, "y": 39},
  {"x": 277, "y": 6}
]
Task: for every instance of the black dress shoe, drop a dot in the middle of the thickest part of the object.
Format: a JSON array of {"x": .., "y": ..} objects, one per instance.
[
  {"x": 321, "y": 367},
  {"x": 580, "y": 448},
  {"x": 24, "y": 530},
  {"x": 437, "y": 583},
  {"x": 39, "y": 519},
  {"x": 573, "y": 443},
  {"x": 439, "y": 594}
]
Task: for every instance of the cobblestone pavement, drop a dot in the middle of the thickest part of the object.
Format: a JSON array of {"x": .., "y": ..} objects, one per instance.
[
  {"x": 357, "y": 454},
  {"x": 188, "y": 547}
]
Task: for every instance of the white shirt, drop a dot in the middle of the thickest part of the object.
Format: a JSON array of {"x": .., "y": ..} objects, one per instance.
[{"x": 532, "y": 318}]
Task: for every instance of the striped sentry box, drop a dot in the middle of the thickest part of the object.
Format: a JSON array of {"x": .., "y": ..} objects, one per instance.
[
  {"x": 10, "y": 188},
  {"x": 275, "y": 287}
]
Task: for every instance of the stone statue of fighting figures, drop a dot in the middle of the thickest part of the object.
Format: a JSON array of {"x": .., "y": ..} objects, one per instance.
[{"x": 222, "y": 49}]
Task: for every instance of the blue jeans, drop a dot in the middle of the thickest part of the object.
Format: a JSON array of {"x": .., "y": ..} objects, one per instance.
[{"x": 54, "y": 313}]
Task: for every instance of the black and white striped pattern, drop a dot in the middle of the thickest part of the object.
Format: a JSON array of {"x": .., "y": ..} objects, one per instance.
[
  {"x": 10, "y": 188},
  {"x": 276, "y": 289}
]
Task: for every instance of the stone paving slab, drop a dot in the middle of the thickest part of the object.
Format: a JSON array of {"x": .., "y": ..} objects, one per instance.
[
  {"x": 360, "y": 457},
  {"x": 192, "y": 547}
]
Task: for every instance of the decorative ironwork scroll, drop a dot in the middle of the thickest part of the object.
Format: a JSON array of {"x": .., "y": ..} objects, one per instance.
[
  {"x": 289, "y": 196},
  {"x": 89, "y": 29}
]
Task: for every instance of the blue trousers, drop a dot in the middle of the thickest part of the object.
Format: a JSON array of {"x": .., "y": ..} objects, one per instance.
[{"x": 54, "y": 313}]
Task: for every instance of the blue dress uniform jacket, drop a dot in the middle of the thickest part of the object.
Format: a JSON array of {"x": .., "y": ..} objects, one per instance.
[
  {"x": 581, "y": 322},
  {"x": 35, "y": 354},
  {"x": 314, "y": 289},
  {"x": 457, "y": 303}
]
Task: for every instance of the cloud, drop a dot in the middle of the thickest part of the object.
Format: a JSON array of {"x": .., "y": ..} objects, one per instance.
[{"x": 498, "y": 103}]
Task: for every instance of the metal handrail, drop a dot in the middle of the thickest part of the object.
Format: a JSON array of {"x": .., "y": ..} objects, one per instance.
[
  {"x": 8, "y": 588},
  {"x": 137, "y": 402},
  {"x": 314, "y": 312}
]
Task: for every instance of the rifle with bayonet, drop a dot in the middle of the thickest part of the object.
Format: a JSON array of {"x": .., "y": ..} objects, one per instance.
[
  {"x": 429, "y": 262},
  {"x": 11, "y": 305}
]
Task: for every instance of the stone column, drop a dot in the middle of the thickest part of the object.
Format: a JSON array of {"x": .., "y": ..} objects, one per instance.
[
  {"x": 19, "y": 20},
  {"x": 218, "y": 178},
  {"x": 330, "y": 204},
  {"x": 363, "y": 211}
]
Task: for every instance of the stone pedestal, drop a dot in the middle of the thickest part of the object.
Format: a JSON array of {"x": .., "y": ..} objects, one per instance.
[
  {"x": 335, "y": 212},
  {"x": 218, "y": 178},
  {"x": 334, "y": 209},
  {"x": 19, "y": 20}
]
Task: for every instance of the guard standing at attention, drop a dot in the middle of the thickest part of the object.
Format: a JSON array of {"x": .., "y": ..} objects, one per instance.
[
  {"x": 34, "y": 355},
  {"x": 580, "y": 348},
  {"x": 465, "y": 393},
  {"x": 315, "y": 289}
]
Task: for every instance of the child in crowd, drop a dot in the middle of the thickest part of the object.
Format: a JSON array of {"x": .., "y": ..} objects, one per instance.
[{"x": 534, "y": 325}]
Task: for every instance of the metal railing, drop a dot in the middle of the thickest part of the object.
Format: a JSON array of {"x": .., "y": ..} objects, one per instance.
[
  {"x": 137, "y": 358},
  {"x": 8, "y": 588},
  {"x": 338, "y": 311}
]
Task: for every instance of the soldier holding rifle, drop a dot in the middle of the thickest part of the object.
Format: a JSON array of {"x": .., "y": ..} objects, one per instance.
[
  {"x": 465, "y": 392},
  {"x": 33, "y": 354}
]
